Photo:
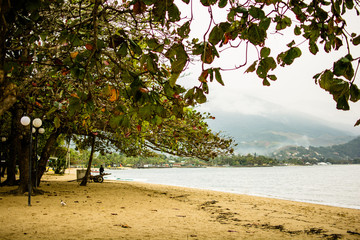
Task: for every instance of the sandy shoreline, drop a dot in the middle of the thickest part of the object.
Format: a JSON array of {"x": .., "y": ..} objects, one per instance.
[{"x": 131, "y": 210}]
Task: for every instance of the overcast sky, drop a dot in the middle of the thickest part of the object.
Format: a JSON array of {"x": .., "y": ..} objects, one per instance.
[{"x": 295, "y": 89}]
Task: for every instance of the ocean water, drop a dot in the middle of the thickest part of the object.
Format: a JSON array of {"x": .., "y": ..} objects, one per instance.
[{"x": 334, "y": 185}]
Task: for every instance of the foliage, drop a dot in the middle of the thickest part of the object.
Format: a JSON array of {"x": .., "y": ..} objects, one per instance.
[
  {"x": 58, "y": 163},
  {"x": 110, "y": 68},
  {"x": 245, "y": 160},
  {"x": 315, "y": 23},
  {"x": 102, "y": 70}
]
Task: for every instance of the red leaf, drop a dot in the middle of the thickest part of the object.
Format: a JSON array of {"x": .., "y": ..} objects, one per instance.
[
  {"x": 139, "y": 7},
  {"x": 144, "y": 90},
  {"x": 89, "y": 46}
]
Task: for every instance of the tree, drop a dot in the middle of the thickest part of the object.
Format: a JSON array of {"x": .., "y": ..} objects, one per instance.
[
  {"x": 87, "y": 84},
  {"x": 110, "y": 69}
]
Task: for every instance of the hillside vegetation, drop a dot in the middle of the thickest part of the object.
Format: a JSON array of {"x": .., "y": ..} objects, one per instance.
[{"x": 349, "y": 151}]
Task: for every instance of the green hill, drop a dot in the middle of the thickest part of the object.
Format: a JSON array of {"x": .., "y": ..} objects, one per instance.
[{"x": 348, "y": 151}]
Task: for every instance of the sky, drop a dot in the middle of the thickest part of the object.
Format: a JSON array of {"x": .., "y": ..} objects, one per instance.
[{"x": 294, "y": 91}]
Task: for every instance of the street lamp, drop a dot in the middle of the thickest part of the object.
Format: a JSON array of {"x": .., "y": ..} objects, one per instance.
[
  {"x": 25, "y": 121},
  {"x": 37, "y": 130}
]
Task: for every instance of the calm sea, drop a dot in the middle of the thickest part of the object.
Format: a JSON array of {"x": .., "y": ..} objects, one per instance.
[{"x": 335, "y": 185}]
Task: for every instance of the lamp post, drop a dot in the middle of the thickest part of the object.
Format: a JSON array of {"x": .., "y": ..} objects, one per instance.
[
  {"x": 25, "y": 121},
  {"x": 37, "y": 130}
]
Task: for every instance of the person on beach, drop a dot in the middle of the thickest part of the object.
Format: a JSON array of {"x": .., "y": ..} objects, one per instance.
[{"x": 101, "y": 170}]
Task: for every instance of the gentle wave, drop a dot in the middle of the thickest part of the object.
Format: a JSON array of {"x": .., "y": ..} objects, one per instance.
[{"x": 334, "y": 185}]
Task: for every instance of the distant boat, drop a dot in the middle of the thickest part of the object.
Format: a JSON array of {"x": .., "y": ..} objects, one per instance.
[{"x": 323, "y": 163}]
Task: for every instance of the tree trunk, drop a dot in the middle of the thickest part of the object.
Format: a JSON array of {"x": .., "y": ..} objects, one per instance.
[
  {"x": 87, "y": 174},
  {"x": 14, "y": 145},
  {"x": 24, "y": 164},
  {"x": 45, "y": 154},
  {"x": 7, "y": 89}
]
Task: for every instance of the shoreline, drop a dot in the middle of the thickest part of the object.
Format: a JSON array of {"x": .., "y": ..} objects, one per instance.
[
  {"x": 134, "y": 210},
  {"x": 322, "y": 194},
  {"x": 70, "y": 174}
]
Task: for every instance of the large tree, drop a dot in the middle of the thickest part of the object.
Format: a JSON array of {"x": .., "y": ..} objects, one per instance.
[
  {"x": 86, "y": 80},
  {"x": 110, "y": 68}
]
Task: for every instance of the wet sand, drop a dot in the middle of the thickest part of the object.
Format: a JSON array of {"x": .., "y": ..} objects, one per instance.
[{"x": 131, "y": 210}]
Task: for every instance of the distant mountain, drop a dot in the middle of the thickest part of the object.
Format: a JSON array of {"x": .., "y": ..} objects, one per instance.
[
  {"x": 347, "y": 151},
  {"x": 265, "y": 134}
]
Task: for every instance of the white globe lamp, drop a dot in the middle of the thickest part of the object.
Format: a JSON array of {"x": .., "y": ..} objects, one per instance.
[
  {"x": 37, "y": 122},
  {"x": 25, "y": 120}
]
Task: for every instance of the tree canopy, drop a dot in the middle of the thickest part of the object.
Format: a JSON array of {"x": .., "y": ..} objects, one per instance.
[{"x": 110, "y": 69}]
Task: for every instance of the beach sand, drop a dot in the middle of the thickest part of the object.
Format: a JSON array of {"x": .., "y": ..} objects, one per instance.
[{"x": 131, "y": 210}]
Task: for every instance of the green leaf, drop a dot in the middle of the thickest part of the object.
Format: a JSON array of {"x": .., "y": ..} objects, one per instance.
[
  {"x": 57, "y": 122},
  {"x": 154, "y": 45},
  {"x": 190, "y": 94},
  {"x": 336, "y": 7},
  {"x": 224, "y": 26},
  {"x": 200, "y": 96},
  {"x": 289, "y": 56},
  {"x": 150, "y": 64},
  {"x": 173, "y": 78},
  {"x": 174, "y": 13},
  {"x": 209, "y": 54},
  {"x": 327, "y": 46},
  {"x": 216, "y": 35},
  {"x": 297, "y": 30},
  {"x": 256, "y": 35},
  {"x": 252, "y": 67},
  {"x": 114, "y": 122},
  {"x": 326, "y": 80},
  {"x": 184, "y": 30},
  {"x": 231, "y": 15},
  {"x": 222, "y": 3},
  {"x": 205, "y": 87},
  {"x": 186, "y": 1},
  {"x": 122, "y": 52},
  {"x": 75, "y": 40},
  {"x": 265, "y": 23},
  {"x": 282, "y": 23},
  {"x": 291, "y": 44},
  {"x": 256, "y": 12},
  {"x": 321, "y": 14},
  {"x": 265, "y": 65},
  {"x": 316, "y": 77},
  {"x": 265, "y": 52},
  {"x": 349, "y": 4},
  {"x": 356, "y": 41},
  {"x": 354, "y": 93},
  {"x": 178, "y": 65},
  {"x": 357, "y": 123},
  {"x": 342, "y": 103},
  {"x": 266, "y": 82},
  {"x": 135, "y": 47},
  {"x": 147, "y": 111},
  {"x": 218, "y": 76},
  {"x": 272, "y": 77},
  {"x": 74, "y": 106},
  {"x": 343, "y": 67},
  {"x": 208, "y": 3},
  {"x": 313, "y": 48}
]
